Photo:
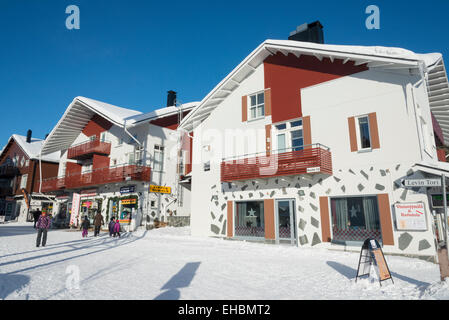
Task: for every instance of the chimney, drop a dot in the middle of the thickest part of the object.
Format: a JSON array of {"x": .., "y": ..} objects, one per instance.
[
  {"x": 312, "y": 32},
  {"x": 171, "y": 98},
  {"x": 29, "y": 132},
  {"x": 46, "y": 136}
]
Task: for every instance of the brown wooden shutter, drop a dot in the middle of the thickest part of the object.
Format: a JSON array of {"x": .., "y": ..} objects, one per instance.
[
  {"x": 268, "y": 207},
  {"x": 374, "y": 131},
  {"x": 385, "y": 219},
  {"x": 325, "y": 223},
  {"x": 267, "y": 99},
  {"x": 244, "y": 108},
  {"x": 268, "y": 138},
  {"x": 230, "y": 224},
  {"x": 307, "y": 134},
  {"x": 352, "y": 134}
]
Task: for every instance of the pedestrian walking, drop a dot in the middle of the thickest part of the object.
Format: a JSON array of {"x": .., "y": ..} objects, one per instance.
[
  {"x": 117, "y": 228},
  {"x": 98, "y": 222},
  {"x": 42, "y": 225},
  {"x": 85, "y": 226},
  {"x": 111, "y": 226},
  {"x": 36, "y": 215}
]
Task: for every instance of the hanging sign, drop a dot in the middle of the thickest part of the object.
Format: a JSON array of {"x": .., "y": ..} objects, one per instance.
[
  {"x": 129, "y": 201},
  {"x": 421, "y": 182},
  {"x": 75, "y": 209},
  {"x": 411, "y": 216},
  {"x": 160, "y": 189},
  {"x": 89, "y": 193},
  {"x": 128, "y": 189},
  {"x": 372, "y": 254}
]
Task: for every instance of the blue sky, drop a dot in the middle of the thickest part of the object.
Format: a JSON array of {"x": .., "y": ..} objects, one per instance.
[{"x": 130, "y": 53}]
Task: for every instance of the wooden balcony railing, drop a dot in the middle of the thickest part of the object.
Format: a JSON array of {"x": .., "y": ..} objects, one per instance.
[
  {"x": 312, "y": 159},
  {"x": 98, "y": 177},
  {"x": 87, "y": 149}
]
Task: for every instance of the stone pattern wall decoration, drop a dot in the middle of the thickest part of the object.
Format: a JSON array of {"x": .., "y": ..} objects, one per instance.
[{"x": 364, "y": 180}]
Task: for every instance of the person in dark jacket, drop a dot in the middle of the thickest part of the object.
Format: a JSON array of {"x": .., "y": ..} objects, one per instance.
[
  {"x": 98, "y": 222},
  {"x": 36, "y": 215},
  {"x": 42, "y": 225},
  {"x": 85, "y": 226},
  {"x": 111, "y": 226}
]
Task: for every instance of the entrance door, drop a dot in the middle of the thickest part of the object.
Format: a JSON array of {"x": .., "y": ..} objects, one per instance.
[{"x": 285, "y": 221}]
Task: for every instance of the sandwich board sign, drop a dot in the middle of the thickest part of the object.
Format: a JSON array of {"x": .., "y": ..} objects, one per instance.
[{"x": 372, "y": 254}]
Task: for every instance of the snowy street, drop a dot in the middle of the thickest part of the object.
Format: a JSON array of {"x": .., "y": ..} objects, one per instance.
[{"x": 168, "y": 263}]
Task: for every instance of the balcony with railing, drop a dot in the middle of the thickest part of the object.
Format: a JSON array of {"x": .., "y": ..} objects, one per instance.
[
  {"x": 98, "y": 177},
  {"x": 88, "y": 149},
  {"x": 313, "y": 159},
  {"x": 8, "y": 171}
]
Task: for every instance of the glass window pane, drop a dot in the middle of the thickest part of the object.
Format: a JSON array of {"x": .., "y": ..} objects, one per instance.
[
  {"x": 296, "y": 123},
  {"x": 297, "y": 144},
  {"x": 260, "y": 98},
  {"x": 253, "y": 100},
  {"x": 260, "y": 111},
  {"x": 253, "y": 113},
  {"x": 296, "y": 134},
  {"x": 249, "y": 219},
  {"x": 281, "y": 142},
  {"x": 365, "y": 141},
  {"x": 281, "y": 126}
]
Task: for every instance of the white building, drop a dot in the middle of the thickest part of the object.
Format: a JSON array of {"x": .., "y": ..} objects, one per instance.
[
  {"x": 308, "y": 144},
  {"x": 118, "y": 161}
]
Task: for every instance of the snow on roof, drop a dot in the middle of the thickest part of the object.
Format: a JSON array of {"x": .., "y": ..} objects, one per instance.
[
  {"x": 33, "y": 148},
  {"x": 114, "y": 113},
  {"x": 372, "y": 56},
  {"x": 160, "y": 113}
]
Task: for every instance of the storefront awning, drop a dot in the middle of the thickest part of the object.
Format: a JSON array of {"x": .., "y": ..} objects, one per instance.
[{"x": 436, "y": 169}]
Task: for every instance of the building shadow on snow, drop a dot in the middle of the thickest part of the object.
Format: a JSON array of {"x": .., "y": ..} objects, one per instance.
[
  {"x": 10, "y": 283},
  {"x": 180, "y": 280}
]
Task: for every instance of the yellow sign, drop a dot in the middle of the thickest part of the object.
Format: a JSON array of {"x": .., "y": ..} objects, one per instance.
[
  {"x": 129, "y": 201},
  {"x": 160, "y": 189}
]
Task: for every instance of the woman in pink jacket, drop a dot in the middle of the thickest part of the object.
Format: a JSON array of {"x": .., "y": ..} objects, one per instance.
[{"x": 117, "y": 228}]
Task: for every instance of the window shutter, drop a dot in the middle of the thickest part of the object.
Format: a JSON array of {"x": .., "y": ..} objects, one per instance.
[
  {"x": 244, "y": 108},
  {"x": 230, "y": 224},
  {"x": 352, "y": 134},
  {"x": 374, "y": 131},
  {"x": 307, "y": 134},
  {"x": 385, "y": 219},
  {"x": 268, "y": 138},
  {"x": 267, "y": 99},
  {"x": 325, "y": 223}
]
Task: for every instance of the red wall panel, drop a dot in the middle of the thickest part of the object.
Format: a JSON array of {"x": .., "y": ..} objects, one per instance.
[
  {"x": 287, "y": 75},
  {"x": 96, "y": 126}
]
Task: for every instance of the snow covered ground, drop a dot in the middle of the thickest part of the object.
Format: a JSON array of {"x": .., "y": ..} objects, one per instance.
[{"x": 168, "y": 263}]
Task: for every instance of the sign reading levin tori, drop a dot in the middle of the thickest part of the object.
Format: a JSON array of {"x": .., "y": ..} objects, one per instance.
[
  {"x": 411, "y": 216},
  {"x": 422, "y": 182},
  {"x": 160, "y": 189}
]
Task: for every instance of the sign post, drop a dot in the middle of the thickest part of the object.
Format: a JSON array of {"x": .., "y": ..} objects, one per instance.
[
  {"x": 372, "y": 254},
  {"x": 443, "y": 258}
]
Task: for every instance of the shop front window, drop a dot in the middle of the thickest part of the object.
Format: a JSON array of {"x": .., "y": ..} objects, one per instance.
[
  {"x": 249, "y": 219},
  {"x": 355, "y": 219}
]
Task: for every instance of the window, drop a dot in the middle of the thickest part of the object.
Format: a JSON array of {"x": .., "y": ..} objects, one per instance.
[
  {"x": 23, "y": 181},
  {"x": 27, "y": 163},
  {"x": 119, "y": 141},
  {"x": 103, "y": 136},
  {"x": 256, "y": 106},
  {"x": 355, "y": 219},
  {"x": 131, "y": 158},
  {"x": 364, "y": 133},
  {"x": 158, "y": 159},
  {"x": 207, "y": 166},
  {"x": 87, "y": 167},
  {"x": 289, "y": 136},
  {"x": 93, "y": 138},
  {"x": 249, "y": 219},
  {"x": 153, "y": 204}
]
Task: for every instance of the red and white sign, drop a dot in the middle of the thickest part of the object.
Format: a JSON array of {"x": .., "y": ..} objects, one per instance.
[
  {"x": 75, "y": 209},
  {"x": 411, "y": 216}
]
